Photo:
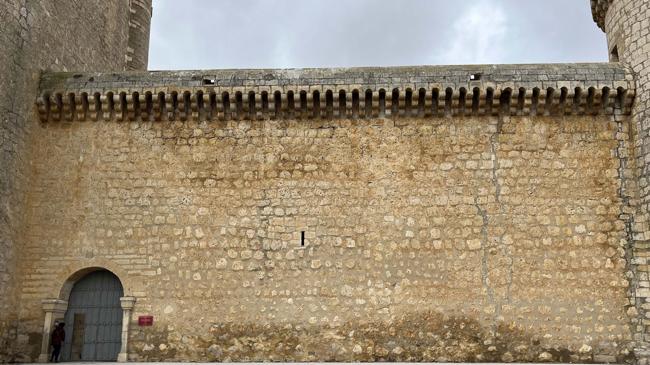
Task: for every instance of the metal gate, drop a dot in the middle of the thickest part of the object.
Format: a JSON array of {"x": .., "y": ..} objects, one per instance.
[{"x": 93, "y": 322}]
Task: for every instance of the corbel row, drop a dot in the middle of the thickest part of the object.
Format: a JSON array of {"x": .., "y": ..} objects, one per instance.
[{"x": 211, "y": 105}]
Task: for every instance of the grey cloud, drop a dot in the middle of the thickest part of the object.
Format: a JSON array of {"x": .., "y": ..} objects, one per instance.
[{"x": 199, "y": 34}]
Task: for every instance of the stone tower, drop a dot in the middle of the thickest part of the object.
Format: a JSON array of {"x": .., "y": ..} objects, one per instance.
[
  {"x": 37, "y": 36},
  {"x": 627, "y": 26},
  {"x": 137, "y": 52}
]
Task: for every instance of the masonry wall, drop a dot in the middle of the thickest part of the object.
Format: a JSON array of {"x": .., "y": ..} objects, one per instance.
[
  {"x": 34, "y": 36},
  {"x": 472, "y": 238}
]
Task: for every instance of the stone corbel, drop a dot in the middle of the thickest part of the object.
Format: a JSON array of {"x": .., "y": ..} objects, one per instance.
[
  {"x": 127, "y": 308},
  {"x": 54, "y": 310}
]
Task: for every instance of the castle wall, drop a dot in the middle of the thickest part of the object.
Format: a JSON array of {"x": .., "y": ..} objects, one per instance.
[
  {"x": 427, "y": 233},
  {"x": 482, "y": 235},
  {"x": 497, "y": 219},
  {"x": 41, "y": 35},
  {"x": 626, "y": 23}
]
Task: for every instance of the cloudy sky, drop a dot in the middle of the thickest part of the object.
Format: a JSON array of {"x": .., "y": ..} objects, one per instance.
[{"x": 210, "y": 34}]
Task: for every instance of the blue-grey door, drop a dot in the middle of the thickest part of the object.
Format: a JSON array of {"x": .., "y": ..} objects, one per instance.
[{"x": 93, "y": 322}]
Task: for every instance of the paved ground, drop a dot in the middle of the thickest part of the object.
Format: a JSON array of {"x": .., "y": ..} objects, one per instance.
[{"x": 297, "y": 363}]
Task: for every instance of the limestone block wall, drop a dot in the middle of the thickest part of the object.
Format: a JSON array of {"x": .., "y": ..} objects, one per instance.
[
  {"x": 62, "y": 35},
  {"x": 465, "y": 234},
  {"x": 627, "y": 25},
  {"x": 477, "y": 239}
]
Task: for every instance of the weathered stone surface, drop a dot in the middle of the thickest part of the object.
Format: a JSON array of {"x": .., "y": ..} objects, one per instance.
[
  {"x": 396, "y": 92},
  {"x": 465, "y": 239}
]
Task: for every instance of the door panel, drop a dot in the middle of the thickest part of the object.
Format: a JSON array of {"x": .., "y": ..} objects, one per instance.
[
  {"x": 77, "y": 340},
  {"x": 94, "y": 318}
]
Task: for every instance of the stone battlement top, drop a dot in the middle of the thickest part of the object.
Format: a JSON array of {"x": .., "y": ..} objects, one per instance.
[
  {"x": 599, "y": 11},
  {"x": 422, "y": 91}
]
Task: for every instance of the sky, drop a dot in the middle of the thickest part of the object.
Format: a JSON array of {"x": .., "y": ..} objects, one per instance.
[{"x": 216, "y": 34}]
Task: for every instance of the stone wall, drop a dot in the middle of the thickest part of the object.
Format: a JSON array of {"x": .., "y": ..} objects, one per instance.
[
  {"x": 476, "y": 237},
  {"x": 472, "y": 239},
  {"x": 41, "y": 35},
  {"x": 627, "y": 25},
  {"x": 11, "y": 137}
]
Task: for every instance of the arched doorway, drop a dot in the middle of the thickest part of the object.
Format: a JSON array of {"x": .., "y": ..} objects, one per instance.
[{"x": 93, "y": 321}]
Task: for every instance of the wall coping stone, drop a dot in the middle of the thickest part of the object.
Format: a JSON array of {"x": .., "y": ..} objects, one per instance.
[{"x": 417, "y": 91}]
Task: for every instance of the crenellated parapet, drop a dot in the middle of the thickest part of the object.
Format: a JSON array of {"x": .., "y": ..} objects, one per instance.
[
  {"x": 428, "y": 91},
  {"x": 599, "y": 11}
]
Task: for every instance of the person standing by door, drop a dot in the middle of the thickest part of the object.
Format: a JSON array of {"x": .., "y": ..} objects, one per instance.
[{"x": 58, "y": 336}]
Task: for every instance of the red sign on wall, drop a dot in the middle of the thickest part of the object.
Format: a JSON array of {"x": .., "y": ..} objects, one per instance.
[{"x": 145, "y": 321}]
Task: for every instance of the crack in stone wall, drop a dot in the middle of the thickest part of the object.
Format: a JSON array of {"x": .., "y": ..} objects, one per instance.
[
  {"x": 628, "y": 194},
  {"x": 485, "y": 265},
  {"x": 505, "y": 250},
  {"x": 495, "y": 219}
]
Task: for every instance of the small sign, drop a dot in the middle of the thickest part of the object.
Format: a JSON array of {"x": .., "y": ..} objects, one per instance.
[{"x": 145, "y": 321}]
